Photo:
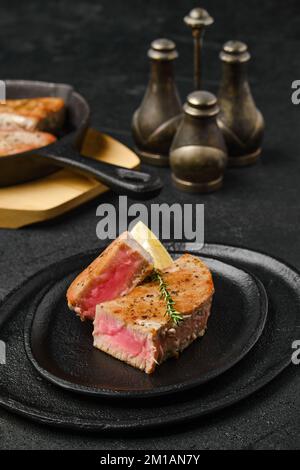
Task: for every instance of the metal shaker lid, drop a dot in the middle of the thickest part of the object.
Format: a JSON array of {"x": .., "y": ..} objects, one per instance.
[
  {"x": 197, "y": 18},
  {"x": 163, "y": 49},
  {"x": 235, "y": 52},
  {"x": 201, "y": 104}
]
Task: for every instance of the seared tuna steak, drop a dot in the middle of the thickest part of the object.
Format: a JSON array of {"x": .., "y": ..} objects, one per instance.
[
  {"x": 12, "y": 142},
  {"x": 136, "y": 329},
  {"x": 31, "y": 114},
  {"x": 117, "y": 270}
]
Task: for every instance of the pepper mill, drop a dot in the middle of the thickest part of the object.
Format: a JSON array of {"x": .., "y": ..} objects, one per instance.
[
  {"x": 198, "y": 19},
  {"x": 156, "y": 120},
  {"x": 198, "y": 153},
  {"x": 241, "y": 122}
]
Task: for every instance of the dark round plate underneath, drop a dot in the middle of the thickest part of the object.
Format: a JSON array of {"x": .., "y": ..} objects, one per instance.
[
  {"x": 60, "y": 346},
  {"x": 24, "y": 391}
]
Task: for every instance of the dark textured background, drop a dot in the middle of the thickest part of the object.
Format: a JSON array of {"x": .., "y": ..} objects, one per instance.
[{"x": 100, "y": 47}]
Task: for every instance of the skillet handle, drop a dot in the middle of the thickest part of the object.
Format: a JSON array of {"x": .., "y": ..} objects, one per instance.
[{"x": 133, "y": 183}]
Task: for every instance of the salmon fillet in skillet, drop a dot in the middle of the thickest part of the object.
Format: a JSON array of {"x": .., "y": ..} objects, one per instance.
[
  {"x": 136, "y": 329},
  {"x": 117, "y": 270}
]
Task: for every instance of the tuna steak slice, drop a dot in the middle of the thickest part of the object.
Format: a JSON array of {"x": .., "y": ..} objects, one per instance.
[
  {"x": 136, "y": 329},
  {"x": 118, "y": 269}
]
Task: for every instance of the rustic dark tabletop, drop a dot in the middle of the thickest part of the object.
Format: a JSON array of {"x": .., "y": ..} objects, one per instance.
[{"x": 100, "y": 47}]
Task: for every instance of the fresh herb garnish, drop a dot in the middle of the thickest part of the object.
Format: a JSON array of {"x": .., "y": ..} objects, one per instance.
[{"x": 165, "y": 294}]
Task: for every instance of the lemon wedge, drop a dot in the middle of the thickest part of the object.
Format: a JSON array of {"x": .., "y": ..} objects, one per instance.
[{"x": 143, "y": 235}]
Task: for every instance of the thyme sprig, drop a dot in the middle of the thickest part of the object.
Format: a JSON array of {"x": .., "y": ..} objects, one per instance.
[{"x": 165, "y": 294}]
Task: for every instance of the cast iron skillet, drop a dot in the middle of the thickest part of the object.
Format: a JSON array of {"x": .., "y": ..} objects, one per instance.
[{"x": 64, "y": 152}]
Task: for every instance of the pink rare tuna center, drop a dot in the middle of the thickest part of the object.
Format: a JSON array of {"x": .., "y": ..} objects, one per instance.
[
  {"x": 118, "y": 336},
  {"x": 112, "y": 283}
]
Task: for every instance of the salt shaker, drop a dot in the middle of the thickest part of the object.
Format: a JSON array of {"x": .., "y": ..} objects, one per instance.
[
  {"x": 156, "y": 120},
  {"x": 198, "y": 153},
  {"x": 241, "y": 122}
]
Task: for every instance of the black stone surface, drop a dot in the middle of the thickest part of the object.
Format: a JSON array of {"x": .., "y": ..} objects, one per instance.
[{"x": 99, "y": 47}]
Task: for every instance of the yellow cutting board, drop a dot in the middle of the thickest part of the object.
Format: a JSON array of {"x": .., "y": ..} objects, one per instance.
[{"x": 53, "y": 195}]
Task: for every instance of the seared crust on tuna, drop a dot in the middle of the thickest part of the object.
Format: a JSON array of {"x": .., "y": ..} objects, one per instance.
[
  {"x": 12, "y": 142},
  {"x": 31, "y": 114},
  {"x": 136, "y": 329}
]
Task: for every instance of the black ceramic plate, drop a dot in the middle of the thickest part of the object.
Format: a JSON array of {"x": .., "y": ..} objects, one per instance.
[
  {"x": 24, "y": 391},
  {"x": 61, "y": 347}
]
